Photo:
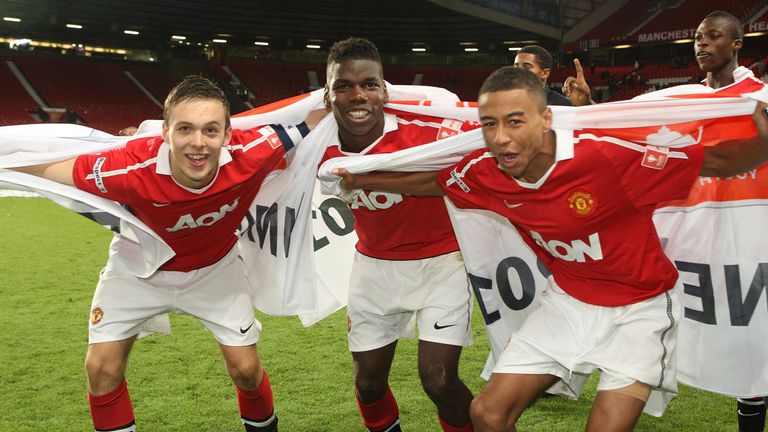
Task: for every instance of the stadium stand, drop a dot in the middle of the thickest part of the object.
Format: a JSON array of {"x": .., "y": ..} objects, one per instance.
[
  {"x": 616, "y": 27},
  {"x": 97, "y": 91},
  {"x": 267, "y": 81},
  {"x": 100, "y": 92},
  {"x": 153, "y": 79},
  {"x": 688, "y": 14},
  {"x": 15, "y": 102}
]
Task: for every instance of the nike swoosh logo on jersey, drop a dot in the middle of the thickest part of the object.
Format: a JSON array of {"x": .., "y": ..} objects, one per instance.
[
  {"x": 512, "y": 205},
  {"x": 245, "y": 330},
  {"x": 440, "y": 327},
  {"x": 161, "y": 205}
]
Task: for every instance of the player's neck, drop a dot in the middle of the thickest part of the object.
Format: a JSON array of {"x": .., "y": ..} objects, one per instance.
[
  {"x": 543, "y": 161},
  {"x": 357, "y": 143},
  {"x": 722, "y": 77}
]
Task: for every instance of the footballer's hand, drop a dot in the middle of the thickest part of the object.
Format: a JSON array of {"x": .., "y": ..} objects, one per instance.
[
  {"x": 576, "y": 88},
  {"x": 347, "y": 182},
  {"x": 129, "y": 131},
  {"x": 349, "y": 191}
]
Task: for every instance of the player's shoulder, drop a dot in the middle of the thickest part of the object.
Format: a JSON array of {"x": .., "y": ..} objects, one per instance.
[
  {"x": 421, "y": 129},
  {"x": 135, "y": 150},
  {"x": 477, "y": 168},
  {"x": 556, "y": 98},
  {"x": 332, "y": 151},
  {"x": 405, "y": 118},
  {"x": 480, "y": 159}
]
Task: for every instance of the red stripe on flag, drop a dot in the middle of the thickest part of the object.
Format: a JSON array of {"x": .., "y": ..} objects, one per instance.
[{"x": 272, "y": 106}]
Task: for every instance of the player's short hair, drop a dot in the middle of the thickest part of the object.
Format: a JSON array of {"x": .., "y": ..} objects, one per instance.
[
  {"x": 194, "y": 87},
  {"x": 735, "y": 23},
  {"x": 543, "y": 57},
  {"x": 354, "y": 48},
  {"x": 514, "y": 78}
]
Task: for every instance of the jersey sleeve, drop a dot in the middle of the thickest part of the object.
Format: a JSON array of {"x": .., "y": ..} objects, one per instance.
[
  {"x": 655, "y": 174},
  {"x": 461, "y": 184},
  {"x": 276, "y": 135},
  {"x": 104, "y": 174}
]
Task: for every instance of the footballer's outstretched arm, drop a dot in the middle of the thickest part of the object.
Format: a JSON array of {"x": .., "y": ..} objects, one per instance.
[
  {"x": 414, "y": 183},
  {"x": 57, "y": 171},
  {"x": 730, "y": 158}
]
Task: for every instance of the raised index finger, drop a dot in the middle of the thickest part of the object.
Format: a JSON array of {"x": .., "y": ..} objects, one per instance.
[{"x": 579, "y": 69}]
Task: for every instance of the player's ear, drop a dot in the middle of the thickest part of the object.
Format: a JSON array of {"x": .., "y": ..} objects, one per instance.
[
  {"x": 165, "y": 131},
  {"x": 547, "y": 116},
  {"x": 327, "y": 98},
  {"x": 228, "y": 135},
  {"x": 737, "y": 44},
  {"x": 386, "y": 93},
  {"x": 545, "y": 74}
]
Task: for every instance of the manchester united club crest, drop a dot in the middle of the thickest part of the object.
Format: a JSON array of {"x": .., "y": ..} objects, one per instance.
[
  {"x": 96, "y": 315},
  {"x": 581, "y": 203}
]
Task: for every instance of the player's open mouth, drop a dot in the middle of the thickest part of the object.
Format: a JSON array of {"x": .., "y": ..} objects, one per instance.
[
  {"x": 359, "y": 115},
  {"x": 507, "y": 160},
  {"x": 197, "y": 160},
  {"x": 702, "y": 54}
]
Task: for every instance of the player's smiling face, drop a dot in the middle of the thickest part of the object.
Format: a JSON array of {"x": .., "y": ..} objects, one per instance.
[
  {"x": 715, "y": 45},
  {"x": 356, "y": 93},
  {"x": 196, "y": 130},
  {"x": 515, "y": 131}
]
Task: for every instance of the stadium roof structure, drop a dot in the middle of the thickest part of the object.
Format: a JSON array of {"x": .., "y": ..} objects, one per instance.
[{"x": 394, "y": 25}]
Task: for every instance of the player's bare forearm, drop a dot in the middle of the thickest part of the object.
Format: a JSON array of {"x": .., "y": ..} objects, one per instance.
[
  {"x": 416, "y": 183},
  {"x": 314, "y": 117},
  {"x": 57, "y": 171},
  {"x": 730, "y": 158}
]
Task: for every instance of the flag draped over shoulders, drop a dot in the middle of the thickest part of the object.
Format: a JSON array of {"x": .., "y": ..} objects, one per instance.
[
  {"x": 505, "y": 274},
  {"x": 287, "y": 221},
  {"x": 298, "y": 243}
]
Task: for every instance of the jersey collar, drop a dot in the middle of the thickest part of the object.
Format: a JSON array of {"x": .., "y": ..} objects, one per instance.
[
  {"x": 739, "y": 74},
  {"x": 163, "y": 165},
  {"x": 390, "y": 124},
  {"x": 564, "y": 144}
]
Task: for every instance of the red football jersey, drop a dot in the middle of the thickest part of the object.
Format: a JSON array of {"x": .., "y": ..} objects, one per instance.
[
  {"x": 402, "y": 227},
  {"x": 589, "y": 217},
  {"x": 744, "y": 82},
  {"x": 198, "y": 224}
]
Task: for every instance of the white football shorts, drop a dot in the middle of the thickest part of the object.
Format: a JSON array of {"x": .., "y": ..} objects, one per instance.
[
  {"x": 569, "y": 339},
  {"x": 217, "y": 295},
  {"x": 387, "y": 299}
]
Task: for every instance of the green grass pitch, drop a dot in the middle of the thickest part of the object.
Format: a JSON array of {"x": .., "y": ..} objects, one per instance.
[{"x": 50, "y": 261}]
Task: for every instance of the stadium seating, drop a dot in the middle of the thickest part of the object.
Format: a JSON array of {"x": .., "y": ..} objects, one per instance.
[
  {"x": 98, "y": 91},
  {"x": 616, "y": 27},
  {"x": 15, "y": 102},
  {"x": 153, "y": 79},
  {"x": 268, "y": 81},
  {"x": 688, "y": 14}
]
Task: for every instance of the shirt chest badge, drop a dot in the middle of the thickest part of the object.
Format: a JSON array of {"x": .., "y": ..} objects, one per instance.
[{"x": 581, "y": 203}]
